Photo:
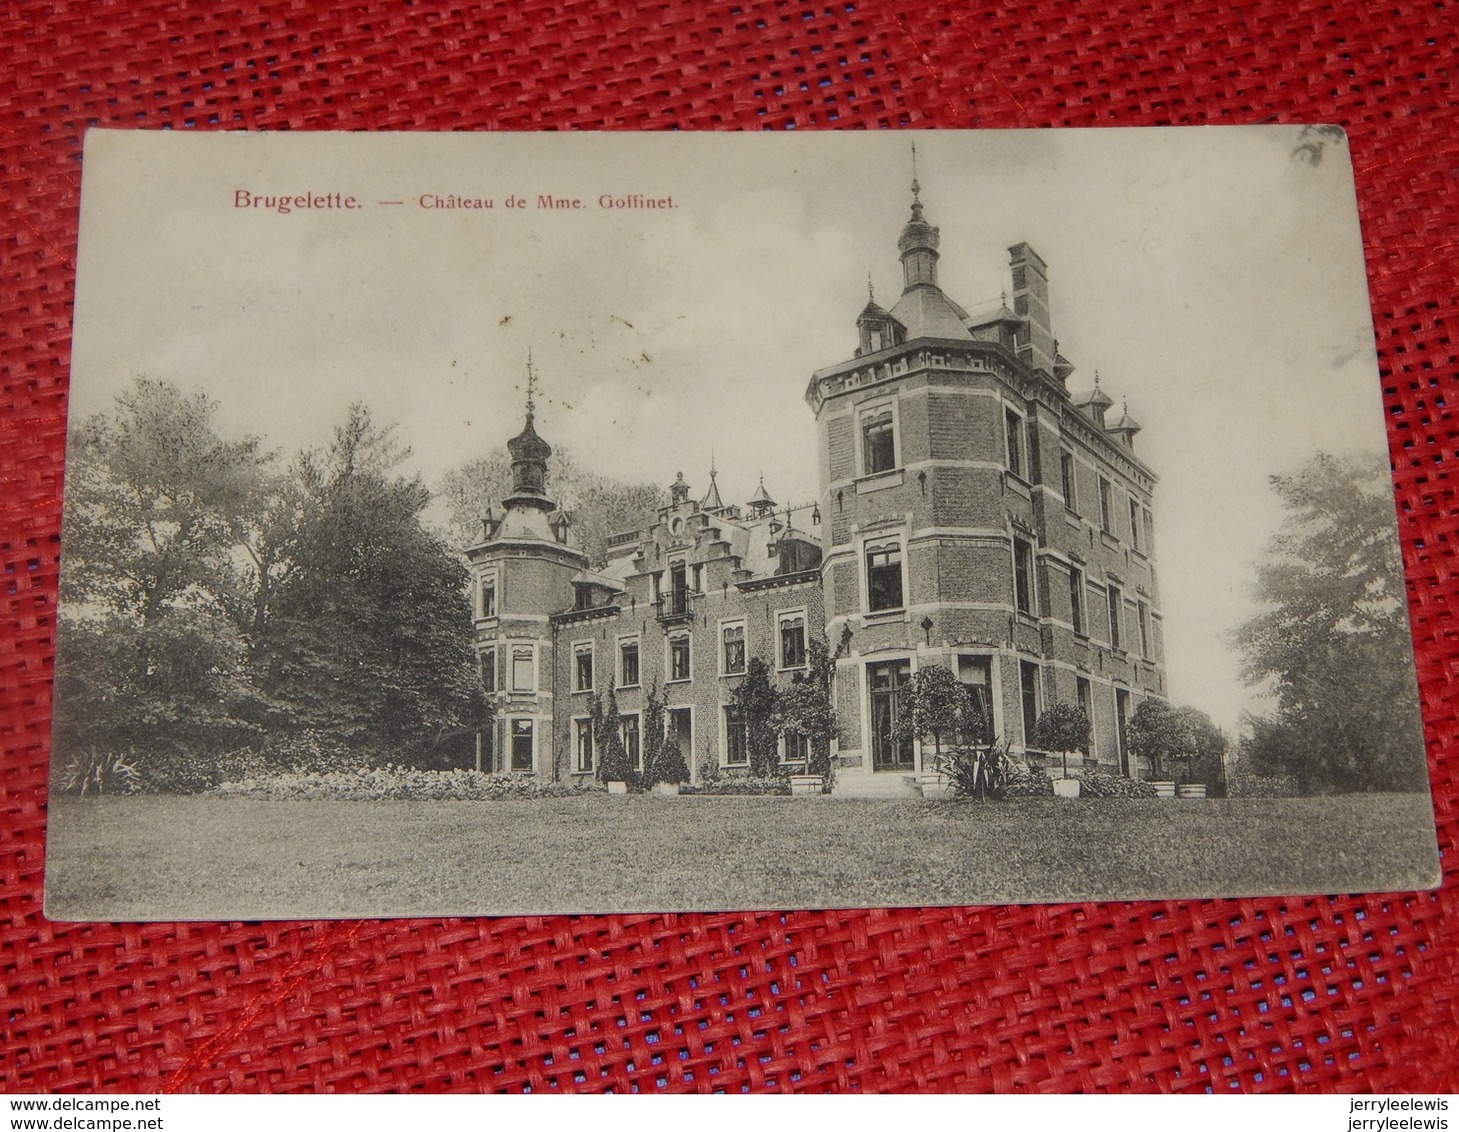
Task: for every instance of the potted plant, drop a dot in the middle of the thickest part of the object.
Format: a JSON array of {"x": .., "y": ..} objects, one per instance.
[
  {"x": 934, "y": 703},
  {"x": 1063, "y": 728},
  {"x": 671, "y": 770}
]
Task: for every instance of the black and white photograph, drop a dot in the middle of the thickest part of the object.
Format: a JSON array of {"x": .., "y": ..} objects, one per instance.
[{"x": 484, "y": 524}]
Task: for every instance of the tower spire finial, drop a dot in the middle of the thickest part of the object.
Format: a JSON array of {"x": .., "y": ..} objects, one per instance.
[
  {"x": 870, "y": 290},
  {"x": 916, "y": 188},
  {"x": 531, "y": 384}
]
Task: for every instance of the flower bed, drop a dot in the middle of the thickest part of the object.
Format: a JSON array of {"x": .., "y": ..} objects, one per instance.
[
  {"x": 1023, "y": 783},
  {"x": 1098, "y": 784},
  {"x": 739, "y": 787},
  {"x": 398, "y": 783}
]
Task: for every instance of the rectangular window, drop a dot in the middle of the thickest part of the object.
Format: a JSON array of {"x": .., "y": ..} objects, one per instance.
[
  {"x": 488, "y": 669},
  {"x": 736, "y": 737},
  {"x": 733, "y": 658},
  {"x": 628, "y": 664},
  {"x": 884, "y": 576},
  {"x": 631, "y": 743},
  {"x": 1116, "y": 610},
  {"x": 522, "y": 745},
  {"x": 1067, "y": 482},
  {"x": 1017, "y": 457},
  {"x": 1076, "y": 599},
  {"x": 584, "y": 745},
  {"x": 679, "y": 656},
  {"x": 1106, "y": 518},
  {"x": 792, "y": 640},
  {"x": 488, "y": 597},
  {"x": 1143, "y": 610},
  {"x": 582, "y": 662},
  {"x": 1023, "y": 576},
  {"x": 878, "y": 443},
  {"x": 524, "y": 669},
  {"x": 1028, "y": 688},
  {"x": 1134, "y": 523},
  {"x": 794, "y": 748},
  {"x": 1149, "y": 532}
]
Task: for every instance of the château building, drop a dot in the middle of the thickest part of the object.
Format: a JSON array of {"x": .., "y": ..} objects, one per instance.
[{"x": 972, "y": 512}]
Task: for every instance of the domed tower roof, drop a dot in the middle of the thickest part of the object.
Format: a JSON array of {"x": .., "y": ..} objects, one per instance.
[
  {"x": 529, "y": 454},
  {"x": 924, "y": 311},
  {"x": 527, "y": 446}
]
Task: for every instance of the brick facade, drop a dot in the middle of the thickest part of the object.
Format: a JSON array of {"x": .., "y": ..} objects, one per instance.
[{"x": 972, "y": 513}]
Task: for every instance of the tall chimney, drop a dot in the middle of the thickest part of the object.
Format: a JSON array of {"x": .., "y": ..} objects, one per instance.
[{"x": 1031, "y": 302}]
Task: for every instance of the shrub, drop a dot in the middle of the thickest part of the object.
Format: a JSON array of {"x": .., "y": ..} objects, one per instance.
[
  {"x": 1100, "y": 784},
  {"x": 397, "y": 782},
  {"x": 976, "y": 772},
  {"x": 1062, "y": 728},
  {"x": 671, "y": 766},
  {"x": 743, "y": 786},
  {"x": 1023, "y": 781},
  {"x": 613, "y": 761}
]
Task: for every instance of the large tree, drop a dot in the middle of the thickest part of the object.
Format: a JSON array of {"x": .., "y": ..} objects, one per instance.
[
  {"x": 1333, "y": 642},
  {"x": 369, "y": 631},
  {"x": 156, "y": 503},
  {"x": 151, "y": 665}
]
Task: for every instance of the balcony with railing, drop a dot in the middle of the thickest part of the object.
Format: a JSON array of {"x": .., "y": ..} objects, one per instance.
[{"x": 675, "y": 606}]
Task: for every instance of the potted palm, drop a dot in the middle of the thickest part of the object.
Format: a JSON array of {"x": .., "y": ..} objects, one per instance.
[{"x": 1061, "y": 729}]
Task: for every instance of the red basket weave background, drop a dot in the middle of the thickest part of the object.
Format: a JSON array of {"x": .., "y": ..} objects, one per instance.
[{"x": 1256, "y": 995}]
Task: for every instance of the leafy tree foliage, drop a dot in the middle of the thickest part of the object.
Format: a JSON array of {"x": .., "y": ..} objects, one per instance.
[
  {"x": 756, "y": 698},
  {"x": 807, "y": 708},
  {"x": 214, "y": 600},
  {"x": 1062, "y": 728},
  {"x": 1333, "y": 642},
  {"x": 613, "y": 763},
  {"x": 671, "y": 766},
  {"x": 369, "y": 630},
  {"x": 653, "y": 739},
  {"x": 600, "y": 506},
  {"x": 934, "y": 702},
  {"x": 170, "y": 690},
  {"x": 1175, "y": 738},
  {"x": 155, "y": 502}
]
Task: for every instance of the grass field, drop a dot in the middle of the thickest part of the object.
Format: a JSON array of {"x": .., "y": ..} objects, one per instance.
[{"x": 164, "y": 858}]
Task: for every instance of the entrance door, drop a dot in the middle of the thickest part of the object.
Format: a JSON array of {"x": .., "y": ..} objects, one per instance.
[{"x": 885, "y": 680}]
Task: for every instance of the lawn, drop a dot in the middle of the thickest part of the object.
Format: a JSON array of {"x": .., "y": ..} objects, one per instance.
[{"x": 165, "y": 858}]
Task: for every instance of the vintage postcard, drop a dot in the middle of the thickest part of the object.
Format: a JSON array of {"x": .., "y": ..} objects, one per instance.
[{"x": 504, "y": 523}]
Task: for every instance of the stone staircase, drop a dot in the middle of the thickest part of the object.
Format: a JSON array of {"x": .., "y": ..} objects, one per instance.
[{"x": 850, "y": 784}]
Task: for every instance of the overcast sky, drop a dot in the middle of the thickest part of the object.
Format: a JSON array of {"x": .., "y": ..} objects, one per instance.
[{"x": 1210, "y": 278}]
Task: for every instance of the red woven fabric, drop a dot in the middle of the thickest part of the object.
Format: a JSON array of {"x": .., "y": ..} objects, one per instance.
[{"x": 1302, "y": 994}]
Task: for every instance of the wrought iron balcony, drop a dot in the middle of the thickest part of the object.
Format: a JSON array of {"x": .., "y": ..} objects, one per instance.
[{"x": 675, "y": 605}]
